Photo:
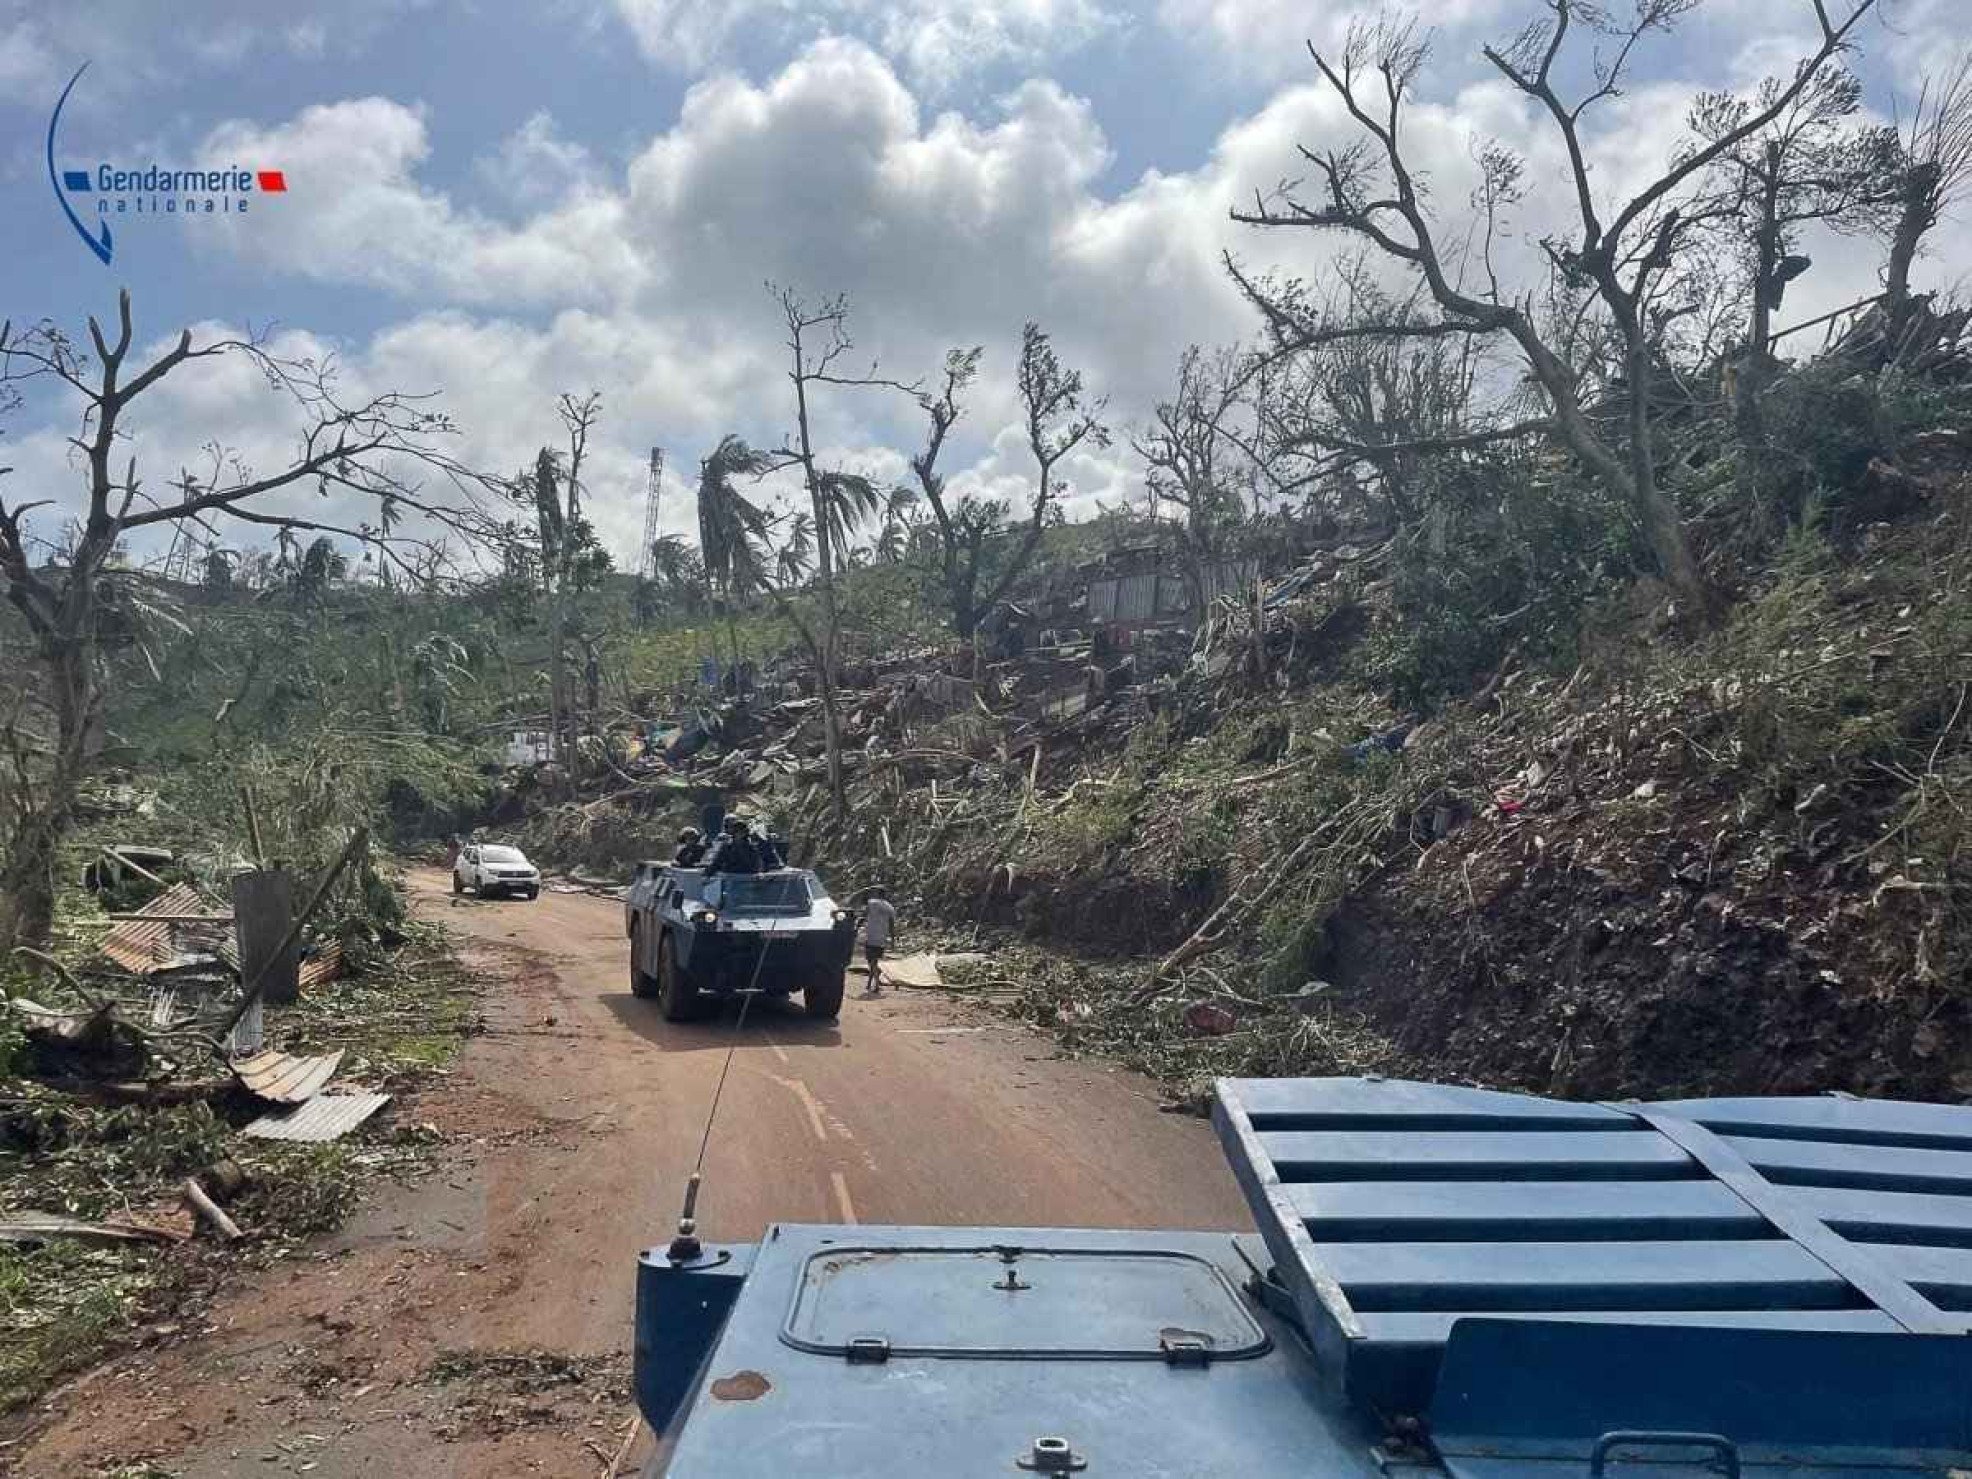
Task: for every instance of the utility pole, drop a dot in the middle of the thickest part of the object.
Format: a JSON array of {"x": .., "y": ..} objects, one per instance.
[
  {"x": 646, "y": 560},
  {"x": 185, "y": 549}
]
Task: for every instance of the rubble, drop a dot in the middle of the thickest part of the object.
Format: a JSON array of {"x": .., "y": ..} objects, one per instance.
[
  {"x": 103, "y": 1174},
  {"x": 180, "y": 934}
]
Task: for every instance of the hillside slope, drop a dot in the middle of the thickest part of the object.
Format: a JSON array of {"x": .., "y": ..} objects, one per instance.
[{"x": 1736, "y": 862}]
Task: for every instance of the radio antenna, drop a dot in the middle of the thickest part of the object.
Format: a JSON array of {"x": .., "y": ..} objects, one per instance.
[{"x": 685, "y": 1246}]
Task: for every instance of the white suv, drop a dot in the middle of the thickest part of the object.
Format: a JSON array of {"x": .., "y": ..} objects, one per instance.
[{"x": 490, "y": 868}]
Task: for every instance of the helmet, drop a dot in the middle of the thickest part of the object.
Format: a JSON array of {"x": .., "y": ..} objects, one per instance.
[{"x": 690, "y": 834}]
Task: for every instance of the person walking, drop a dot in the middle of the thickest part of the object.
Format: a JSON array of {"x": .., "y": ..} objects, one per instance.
[{"x": 879, "y": 925}]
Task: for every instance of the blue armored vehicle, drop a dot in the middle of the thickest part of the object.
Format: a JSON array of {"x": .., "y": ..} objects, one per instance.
[
  {"x": 1446, "y": 1282},
  {"x": 697, "y": 936}
]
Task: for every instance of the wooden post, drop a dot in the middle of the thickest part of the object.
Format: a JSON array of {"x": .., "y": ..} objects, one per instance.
[
  {"x": 263, "y": 919},
  {"x": 253, "y": 827},
  {"x": 252, "y": 983}
]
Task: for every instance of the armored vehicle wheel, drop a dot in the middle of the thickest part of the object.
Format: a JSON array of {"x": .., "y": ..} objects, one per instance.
[
  {"x": 823, "y": 999},
  {"x": 642, "y": 982},
  {"x": 675, "y": 993}
]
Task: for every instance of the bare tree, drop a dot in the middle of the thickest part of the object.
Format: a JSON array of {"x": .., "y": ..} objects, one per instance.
[
  {"x": 979, "y": 556},
  {"x": 1059, "y": 418},
  {"x": 817, "y": 343},
  {"x": 1196, "y": 458},
  {"x": 1363, "y": 390},
  {"x": 966, "y": 526},
  {"x": 1622, "y": 257},
  {"x": 564, "y": 534},
  {"x": 372, "y": 448},
  {"x": 1814, "y": 163}
]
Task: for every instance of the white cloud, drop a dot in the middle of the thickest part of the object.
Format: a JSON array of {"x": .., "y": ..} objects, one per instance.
[
  {"x": 689, "y": 36},
  {"x": 1922, "y": 37},
  {"x": 355, "y": 212},
  {"x": 1268, "y": 39},
  {"x": 29, "y": 72},
  {"x": 661, "y": 386},
  {"x": 134, "y": 43},
  {"x": 935, "y": 42},
  {"x": 535, "y": 164},
  {"x": 943, "y": 227}
]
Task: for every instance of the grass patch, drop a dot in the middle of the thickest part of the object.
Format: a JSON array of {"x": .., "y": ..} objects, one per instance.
[
  {"x": 426, "y": 1052},
  {"x": 61, "y": 1306},
  {"x": 408, "y": 1015}
]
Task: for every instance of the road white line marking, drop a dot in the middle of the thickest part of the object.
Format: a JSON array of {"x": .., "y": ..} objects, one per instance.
[
  {"x": 842, "y": 1202},
  {"x": 808, "y": 1102}
]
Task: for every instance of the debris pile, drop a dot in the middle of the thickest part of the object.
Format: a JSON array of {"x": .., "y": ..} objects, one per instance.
[
  {"x": 1744, "y": 869},
  {"x": 163, "y": 1103},
  {"x": 1735, "y": 865},
  {"x": 956, "y": 757}
]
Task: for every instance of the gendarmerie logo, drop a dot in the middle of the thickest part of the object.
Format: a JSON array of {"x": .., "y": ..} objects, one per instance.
[{"x": 91, "y": 197}]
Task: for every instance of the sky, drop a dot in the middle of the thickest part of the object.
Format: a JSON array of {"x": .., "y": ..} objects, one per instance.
[{"x": 497, "y": 203}]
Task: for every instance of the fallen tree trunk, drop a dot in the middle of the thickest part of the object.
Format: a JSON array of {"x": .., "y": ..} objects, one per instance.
[{"x": 211, "y": 1211}]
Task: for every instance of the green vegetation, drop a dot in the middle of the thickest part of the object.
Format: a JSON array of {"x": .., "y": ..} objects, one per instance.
[
  {"x": 1566, "y": 683},
  {"x": 60, "y": 1306}
]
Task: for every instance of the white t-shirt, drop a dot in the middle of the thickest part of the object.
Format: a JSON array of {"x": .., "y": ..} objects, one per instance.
[{"x": 879, "y": 919}]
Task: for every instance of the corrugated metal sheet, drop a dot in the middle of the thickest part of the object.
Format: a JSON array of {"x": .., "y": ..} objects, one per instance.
[
  {"x": 1127, "y": 598},
  {"x": 325, "y": 1117},
  {"x": 1394, "y": 1210},
  {"x": 322, "y": 967},
  {"x": 284, "y": 1078},
  {"x": 1232, "y": 578},
  {"x": 48, "y": 1020},
  {"x": 146, "y": 946},
  {"x": 1152, "y": 595}
]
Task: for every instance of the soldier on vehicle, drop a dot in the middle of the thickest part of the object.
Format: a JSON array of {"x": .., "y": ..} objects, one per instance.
[
  {"x": 735, "y": 852},
  {"x": 691, "y": 849},
  {"x": 771, "y": 855}
]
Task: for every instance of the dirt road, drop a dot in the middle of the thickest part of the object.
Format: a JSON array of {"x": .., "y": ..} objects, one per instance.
[{"x": 477, "y": 1323}]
